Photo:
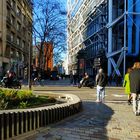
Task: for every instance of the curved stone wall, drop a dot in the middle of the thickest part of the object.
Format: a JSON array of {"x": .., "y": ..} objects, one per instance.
[{"x": 19, "y": 121}]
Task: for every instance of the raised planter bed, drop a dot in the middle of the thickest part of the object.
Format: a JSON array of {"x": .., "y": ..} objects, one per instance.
[{"x": 19, "y": 121}]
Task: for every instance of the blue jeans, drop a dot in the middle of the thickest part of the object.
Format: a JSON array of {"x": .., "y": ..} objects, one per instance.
[{"x": 100, "y": 93}]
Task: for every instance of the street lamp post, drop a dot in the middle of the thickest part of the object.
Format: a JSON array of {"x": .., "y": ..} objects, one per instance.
[{"x": 29, "y": 68}]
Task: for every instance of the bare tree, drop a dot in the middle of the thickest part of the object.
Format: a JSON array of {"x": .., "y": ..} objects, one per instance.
[{"x": 49, "y": 25}]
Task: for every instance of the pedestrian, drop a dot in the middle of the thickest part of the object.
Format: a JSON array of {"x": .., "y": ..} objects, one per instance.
[
  {"x": 85, "y": 79},
  {"x": 71, "y": 78},
  {"x": 126, "y": 84},
  {"x": 74, "y": 79},
  {"x": 101, "y": 81},
  {"x": 135, "y": 87}
]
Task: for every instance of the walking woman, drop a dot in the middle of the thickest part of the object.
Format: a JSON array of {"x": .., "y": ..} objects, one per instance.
[
  {"x": 135, "y": 87},
  {"x": 126, "y": 84}
]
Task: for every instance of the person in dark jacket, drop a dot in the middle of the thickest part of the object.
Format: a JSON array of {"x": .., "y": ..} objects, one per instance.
[
  {"x": 101, "y": 81},
  {"x": 135, "y": 87}
]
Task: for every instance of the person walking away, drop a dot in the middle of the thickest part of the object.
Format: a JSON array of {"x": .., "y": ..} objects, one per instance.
[
  {"x": 85, "y": 79},
  {"x": 71, "y": 78},
  {"x": 126, "y": 84},
  {"x": 75, "y": 79},
  {"x": 101, "y": 81},
  {"x": 135, "y": 87}
]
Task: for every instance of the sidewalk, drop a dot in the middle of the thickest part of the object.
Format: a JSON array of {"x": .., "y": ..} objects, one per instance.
[
  {"x": 96, "y": 122},
  {"x": 113, "y": 120}
]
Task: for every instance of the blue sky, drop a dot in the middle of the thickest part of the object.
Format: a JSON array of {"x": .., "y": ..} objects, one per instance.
[
  {"x": 64, "y": 5},
  {"x": 64, "y": 2}
]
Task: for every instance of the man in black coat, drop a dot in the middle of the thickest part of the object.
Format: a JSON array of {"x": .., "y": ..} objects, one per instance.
[
  {"x": 101, "y": 81},
  {"x": 135, "y": 87}
]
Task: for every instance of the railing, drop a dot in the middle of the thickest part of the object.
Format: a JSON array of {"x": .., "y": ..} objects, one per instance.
[{"x": 17, "y": 122}]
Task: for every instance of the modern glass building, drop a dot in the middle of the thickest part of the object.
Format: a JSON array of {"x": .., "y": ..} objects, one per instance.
[{"x": 103, "y": 33}]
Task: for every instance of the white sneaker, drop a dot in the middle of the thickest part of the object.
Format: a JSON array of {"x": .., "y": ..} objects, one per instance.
[{"x": 98, "y": 101}]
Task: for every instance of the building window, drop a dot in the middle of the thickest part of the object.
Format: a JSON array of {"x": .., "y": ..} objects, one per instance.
[
  {"x": 12, "y": 52},
  {"x": 8, "y": 12},
  {"x": 18, "y": 11},
  {"x": 12, "y": 20},
  {"x": 18, "y": 26},
  {"x": 23, "y": 57},
  {"x": 18, "y": 41},
  {"x": 17, "y": 54},
  {"x": 13, "y": 4},
  {"x": 23, "y": 18},
  {"x": 23, "y": 44},
  {"x": 12, "y": 37}
]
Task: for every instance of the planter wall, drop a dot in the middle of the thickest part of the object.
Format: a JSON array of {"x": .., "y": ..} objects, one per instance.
[{"x": 17, "y": 122}]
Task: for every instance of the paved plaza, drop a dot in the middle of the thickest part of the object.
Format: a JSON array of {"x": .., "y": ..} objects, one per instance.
[{"x": 113, "y": 120}]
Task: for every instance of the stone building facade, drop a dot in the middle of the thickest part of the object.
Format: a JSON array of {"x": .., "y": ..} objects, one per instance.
[{"x": 15, "y": 35}]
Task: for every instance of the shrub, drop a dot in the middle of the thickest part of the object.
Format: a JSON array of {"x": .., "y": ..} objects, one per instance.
[
  {"x": 23, "y": 105},
  {"x": 24, "y": 94},
  {"x": 3, "y": 104},
  {"x": 11, "y": 98}
]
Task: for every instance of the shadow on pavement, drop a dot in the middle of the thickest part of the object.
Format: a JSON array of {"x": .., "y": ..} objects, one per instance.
[{"x": 90, "y": 124}]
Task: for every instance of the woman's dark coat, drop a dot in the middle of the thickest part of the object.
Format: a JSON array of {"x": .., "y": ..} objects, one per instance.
[{"x": 135, "y": 81}]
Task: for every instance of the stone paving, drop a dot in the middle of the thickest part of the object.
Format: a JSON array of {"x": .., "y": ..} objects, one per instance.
[{"x": 113, "y": 120}]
